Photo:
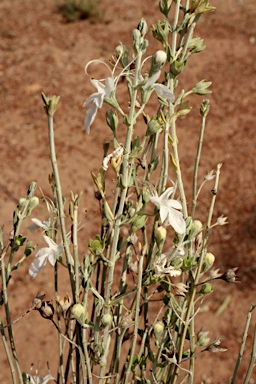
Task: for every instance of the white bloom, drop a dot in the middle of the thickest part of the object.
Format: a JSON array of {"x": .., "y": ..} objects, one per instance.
[
  {"x": 36, "y": 223},
  {"x": 97, "y": 99},
  {"x": 50, "y": 253},
  {"x": 169, "y": 210}
]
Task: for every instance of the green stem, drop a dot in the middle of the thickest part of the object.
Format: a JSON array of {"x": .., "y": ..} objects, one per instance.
[{"x": 198, "y": 155}]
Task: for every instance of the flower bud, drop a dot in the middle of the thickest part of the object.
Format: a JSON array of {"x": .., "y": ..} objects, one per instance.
[
  {"x": 22, "y": 202},
  {"x": 205, "y": 108},
  {"x": 34, "y": 201},
  {"x": 160, "y": 235},
  {"x": 160, "y": 57},
  {"x": 153, "y": 126},
  {"x": 206, "y": 289},
  {"x": 79, "y": 313},
  {"x": 202, "y": 339},
  {"x": 158, "y": 329},
  {"x": 195, "y": 229},
  {"x": 209, "y": 259},
  {"x": 106, "y": 319},
  {"x": 142, "y": 27},
  {"x": 122, "y": 52}
]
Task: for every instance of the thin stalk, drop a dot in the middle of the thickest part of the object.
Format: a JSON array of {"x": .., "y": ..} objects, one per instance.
[
  {"x": 136, "y": 320},
  {"x": 75, "y": 250},
  {"x": 69, "y": 258},
  {"x": 198, "y": 155},
  {"x": 8, "y": 319},
  {"x": 8, "y": 353},
  {"x": 241, "y": 351},
  {"x": 252, "y": 360}
]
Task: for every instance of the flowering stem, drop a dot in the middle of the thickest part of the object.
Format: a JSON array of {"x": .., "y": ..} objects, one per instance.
[{"x": 125, "y": 183}]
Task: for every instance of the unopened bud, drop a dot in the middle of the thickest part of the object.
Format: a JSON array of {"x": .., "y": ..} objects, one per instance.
[
  {"x": 202, "y": 339},
  {"x": 160, "y": 235},
  {"x": 34, "y": 201},
  {"x": 142, "y": 27},
  {"x": 205, "y": 108},
  {"x": 79, "y": 313},
  {"x": 22, "y": 202},
  {"x": 106, "y": 319},
  {"x": 195, "y": 229},
  {"x": 206, "y": 289},
  {"x": 157, "y": 61},
  {"x": 209, "y": 259},
  {"x": 158, "y": 329}
]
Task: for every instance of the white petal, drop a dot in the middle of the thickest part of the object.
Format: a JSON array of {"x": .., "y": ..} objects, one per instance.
[
  {"x": 90, "y": 116},
  {"x": 165, "y": 196},
  {"x": 152, "y": 80},
  {"x": 51, "y": 243},
  {"x": 155, "y": 200},
  {"x": 52, "y": 258},
  {"x": 174, "y": 204},
  {"x": 36, "y": 266},
  {"x": 164, "y": 92},
  {"x": 110, "y": 85},
  {"x": 164, "y": 212},
  {"x": 98, "y": 85},
  {"x": 176, "y": 220}
]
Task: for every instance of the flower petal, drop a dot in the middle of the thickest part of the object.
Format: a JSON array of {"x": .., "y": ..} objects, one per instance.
[
  {"x": 90, "y": 116},
  {"x": 151, "y": 81},
  {"x": 176, "y": 220},
  {"x": 164, "y": 92},
  {"x": 36, "y": 266},
  {"x": 52, "y": 245}
]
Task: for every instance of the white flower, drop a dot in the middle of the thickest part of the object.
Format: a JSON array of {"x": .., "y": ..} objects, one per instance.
[
  {"x": 169, "y": 210},
  {"x": 97, "y": 99},
  {"x": 43, "y": 254},
  {"x": 36, "y": 223}
]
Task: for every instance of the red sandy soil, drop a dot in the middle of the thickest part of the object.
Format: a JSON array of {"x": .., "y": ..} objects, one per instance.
[{"x": 40, "y": 52}]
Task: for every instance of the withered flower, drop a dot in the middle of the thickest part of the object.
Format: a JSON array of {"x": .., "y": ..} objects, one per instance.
[{"x": 215, "y": 347}]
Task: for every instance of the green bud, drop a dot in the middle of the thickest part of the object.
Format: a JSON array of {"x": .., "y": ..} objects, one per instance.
[
  {"x": 122, "y": 52},
  {"x": 202, "y": 339},
  {"x": 177, "y": 67},
  {"x": 160, "y": 31},
  {"x": 136, "y": 36},
  {"x": 96, "y": 246},
  {"x": 153, "y": 126},
  {"x": 205, "y": 107},
  {"x": 209, "y": 259},
  {"x": 206, "y": 289},
  {"x": 142, "y": 27},
  {"x": 34, "y": 201},
  {"x": 139, "y": 223},
  {"x": 195, "y": 229},
  {"x": 145, "y": 195},
  {"x": 201, "y": 88},
  {"x": 106, "y": 319},
  {"x": 112, "y": 120},
  {"x": 158, "y": 329},
  {"x": 50, "y": 104},
  {"x": 22, "y": 202},
  {"x": 79, "y": 313},
  {"x": 30, "y": 247}
]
